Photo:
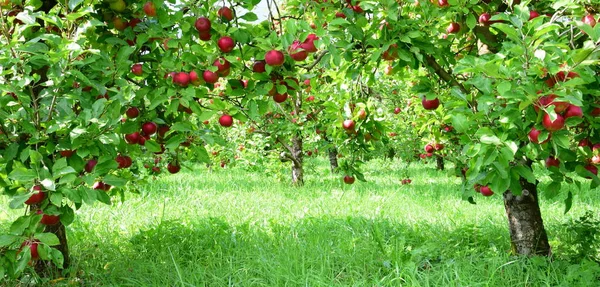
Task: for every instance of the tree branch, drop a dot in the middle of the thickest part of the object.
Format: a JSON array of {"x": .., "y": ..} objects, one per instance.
[{"x": 443, "y": 74}]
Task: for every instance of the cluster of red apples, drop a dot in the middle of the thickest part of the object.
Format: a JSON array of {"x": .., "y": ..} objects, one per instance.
[{"x": 430, "y": 149}]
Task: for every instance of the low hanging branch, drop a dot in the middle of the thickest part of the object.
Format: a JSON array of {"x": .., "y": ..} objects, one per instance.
[{"x": 443, "y": 74}]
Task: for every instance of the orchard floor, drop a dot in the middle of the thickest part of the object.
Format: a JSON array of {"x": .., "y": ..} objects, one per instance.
[{"x": 230, "y": 227}]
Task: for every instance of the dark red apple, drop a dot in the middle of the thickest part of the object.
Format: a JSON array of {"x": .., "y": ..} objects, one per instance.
[
  {"x": 591, "y": 168},
  {"x": 534, "y": 136},
  {"x": 210, "y": 76},
  {"x": 573, "y": 111},
  {"x": 486, "y": 191},
  {"x": 297, "y": 52},
  {"x": 397, "y": 110},
  {"x": 453, "y": 28},
  {"x": 149, "y": 128},
  {"x": 430, "y": 104},
  {"x": 37, "y": 197},
  {"x": 226, "y": 44},
  {"x": 533, "y": 15},
  {"x": 136, "y": 69},
  {"x": 310, "y": 98},
  {"x": 555, "y": 125},
  {"x": 280, "y": 98},
  {"x": 90, "y": 164},
  {"x": 33, "y": 248},
  {"x": 173, "y": 167},
  {"x": 181, "y": 79},
  {"x": 133, "y": 138},
  {"x": 48, "y": 219},
  {"x": 226, "y": 120},
  {"x": 202, "y": 24},
  {"x": 589, "y": 19},
  {"x": 150, "y": 9},
  {"x": 132, "y": 112},
  {"x": 225, "y": 13},
  {"x": 274, "y": 58},
  {"x": 259, "y": 66},
  {"x": 348, "y": 125},
  {"x": 66, "y": 153},
  {"x": 484, "y": 19},
  {"x": 349, "y": 179},
  {"x": 443, "y": 3},
  {"x": 552, "y": 161},
  {"x": 309, "y": 44},
  {"x": 204, "y": 35},
  {"x": 99, "y": 185},
  {"x": 429, "y": 148}
]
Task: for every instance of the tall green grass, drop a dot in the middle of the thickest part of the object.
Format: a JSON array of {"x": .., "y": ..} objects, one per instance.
[{"x": 228, "y": 227}]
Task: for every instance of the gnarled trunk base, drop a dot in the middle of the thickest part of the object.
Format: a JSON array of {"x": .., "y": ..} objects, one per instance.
[
  {"x": 47, "y": 268},
  {"x": 527, "y": 233},
  {"x": 297, "y": 162},
  {"x": 439, "y": 162}
]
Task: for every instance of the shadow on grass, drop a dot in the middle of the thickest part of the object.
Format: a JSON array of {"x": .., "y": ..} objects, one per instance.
[{"x": 325, "y": 251}]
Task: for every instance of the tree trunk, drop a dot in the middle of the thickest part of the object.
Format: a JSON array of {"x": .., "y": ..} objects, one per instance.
[
  {"x": 333, "y": 160},
  {"x": 297, "y": 162},
  {"x": 47, "y": 268},
  {"x": 391, "y": 153},
  {"x": 439, "y": 162},
  {"x": 527, "y": 234}
]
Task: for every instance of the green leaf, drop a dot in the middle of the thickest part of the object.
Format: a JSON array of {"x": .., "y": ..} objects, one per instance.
[
  {"x": 47, "y": 238},
  {"x": 19, "y": 225},
  {"x": 115, "y": 180},
  {"x": 525, "y": 173},
  {"x": 461, "y": 123},
  {"x": 552, "y": 190},
  {"x": 18, "y": 201},
  {"x": 152, "y": 146},
  {"x": 6, "y": 239},
  {"x": 568, "y": 202},
  {"x": 23, "y": 174},
  {"x": 57, "y": 257},
  {"x": 74, "y": 3},
  {"x": 249, "y": 17}
]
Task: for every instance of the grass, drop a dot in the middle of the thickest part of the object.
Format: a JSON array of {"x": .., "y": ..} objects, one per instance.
[{"x": 229, "y": 227}]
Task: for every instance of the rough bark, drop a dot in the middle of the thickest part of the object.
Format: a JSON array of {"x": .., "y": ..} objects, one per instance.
[
  {"x": 297, "y": 162},
  {"x": 333, "y": 159},
  {"x": 439, "y": 162},
  {"x": 527, "y": 233}
]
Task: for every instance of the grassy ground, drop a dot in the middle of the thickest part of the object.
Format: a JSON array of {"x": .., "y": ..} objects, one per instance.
[{"x": 233, "y": 228}]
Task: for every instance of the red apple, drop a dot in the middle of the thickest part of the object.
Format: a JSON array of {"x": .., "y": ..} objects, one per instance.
[
  {"x": 584, "y": 142},
  {"x": 486, "y": 191},
  {"x": 533, "y": 15},
  {"x": 589, "y": 19},
  {"x": 37, "y": 197},
  {"x": 430, "y": 104},
  {"x": 484, "y": 19},
  {"x": 534, "y": 136},
  {"x": 274, "y": 58},
  {"x": 397, "y": 110},
  {"x": 89, "y": 166},
  {"x": 226, "y": 44},
  {"x": 66, "y": 153},
  {"x": 555, "y": 125},
  {"x": 173, "y": 167},
  {"x": 124, "y": 161},
  {"x": 573, "y": 111},
  {"x": 202, "y": 24},
  {"x": 225, "y": 13},
  {"x": 49, "y": 219},
  {"x": 552, "y": 161},
  {"x": 297, "y": 52},
  {"x": 210, "y": 76},
  {"x": 280, "y": 98},
  {"x": 136, "y": 69},
  {"x": 223, "y": 66},
  {"x": 310, "y": 98},
  {"x": 443, "y": 3},
  {"x": 453, "y": 28},
  {"x": 132, "y": 112},
  {"x": 340, "y": 14},
  {"x": 259, "y": 66},
  {"x": 99, "y": 185},
  {"x": 348, "y": 125},
  {"x": 149, "y": 128},
  {"x": 349, "y": 179},
  {"x": 133, "y": 138},
  {"x": 309, "y": 44},
  {"x": 204, "y": 35},
  {"x": 181, "y": 79},
  {"x": 33, "y": 248},
  {"x": 429, "y": 148},
  {"x": 150, "y": 9},
  {"x": 226, "y": 120},
  {"x": 591, "y": 168}
]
